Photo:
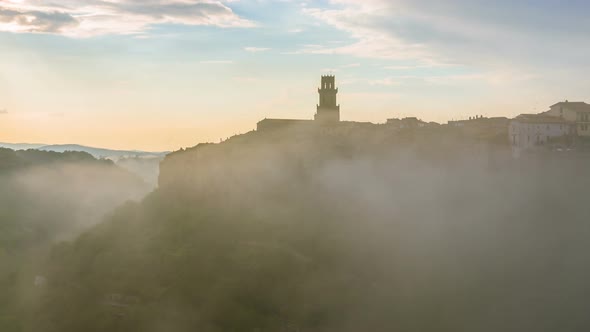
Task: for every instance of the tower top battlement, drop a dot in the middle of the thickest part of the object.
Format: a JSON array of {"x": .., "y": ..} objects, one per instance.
[
  {"x": 328, "y": 111},
  {"x": 328, "y": 83}
]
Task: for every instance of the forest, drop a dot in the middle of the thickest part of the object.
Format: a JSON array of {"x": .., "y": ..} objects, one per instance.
[
  {"x": 331, "y": 231},
  {"x": 47, "y": 198}
]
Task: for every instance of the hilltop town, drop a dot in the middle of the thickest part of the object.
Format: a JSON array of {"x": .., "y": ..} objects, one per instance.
[
  {"x": 564, "y": 127},
  {"x": 319, "y": 225}
]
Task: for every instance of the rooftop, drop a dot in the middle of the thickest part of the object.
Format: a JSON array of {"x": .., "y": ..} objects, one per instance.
[
  {"x": 541, "y": 118},
  {"x": 576, "y": 106}
]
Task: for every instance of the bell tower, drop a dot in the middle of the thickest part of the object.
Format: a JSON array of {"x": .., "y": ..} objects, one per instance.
[{"x": 328, "y": 111}]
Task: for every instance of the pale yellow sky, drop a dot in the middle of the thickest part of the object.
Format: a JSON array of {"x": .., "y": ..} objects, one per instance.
[{"x": 155, "y": 84}]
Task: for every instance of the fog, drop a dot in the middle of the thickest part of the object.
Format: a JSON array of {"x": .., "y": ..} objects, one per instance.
[
  {"x": 81, "y": 193},
  {"x": 46, "y": 198},
  {"x": 303, "y": 231}
]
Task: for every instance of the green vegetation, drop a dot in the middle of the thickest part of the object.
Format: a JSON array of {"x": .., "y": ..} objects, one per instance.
[
  {"x": 334, "y": 231},
  {"x": 47, "y": 197}
]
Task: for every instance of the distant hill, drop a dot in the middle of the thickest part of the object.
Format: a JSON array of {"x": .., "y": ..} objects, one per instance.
[
  {"x": 95, "y": 152},
  {"x": 100, "y": 152},
  {"x": 142, "y": 163},
  {"x": 21, "y": 146}
]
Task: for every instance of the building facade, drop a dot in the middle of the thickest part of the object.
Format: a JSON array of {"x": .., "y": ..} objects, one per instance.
[
  {"x": 577, "y": 112},
  {"x": 530, "y": 131}
]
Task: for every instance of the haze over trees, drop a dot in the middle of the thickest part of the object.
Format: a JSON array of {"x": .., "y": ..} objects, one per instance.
[
  {"x": 47, "y": 197},
  {"x": 417, "y": 230},
  {"x": 141, "y": 163}
]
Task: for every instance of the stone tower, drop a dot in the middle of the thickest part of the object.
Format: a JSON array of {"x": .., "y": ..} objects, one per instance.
[{"x": 328, "y": 110}]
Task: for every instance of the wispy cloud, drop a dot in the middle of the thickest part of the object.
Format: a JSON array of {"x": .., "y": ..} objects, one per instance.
[
  {"x": 217, "y": 62},
  {"x": 369, "y": 41},
  {"x": 386, "y": 82},
  {"x": 256, "y": 49},
  {"x": 3, "y": 111},
  {"x": 464, "y": 32},
  {"x": 79, "y": 18}
]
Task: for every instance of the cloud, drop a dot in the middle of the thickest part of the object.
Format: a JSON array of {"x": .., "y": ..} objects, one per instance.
[
  {"x": 79, "y": 18},
  {"x": 386, "y": 82},
  {"x": 465, "y": 32},
  {"x": 369, "y": 42},
  {"x": 3, "y": 111},
  {"x": 35, "y": 21},
  {"x": 217, "y": 62},
  {"x": 256, "y": 49}
]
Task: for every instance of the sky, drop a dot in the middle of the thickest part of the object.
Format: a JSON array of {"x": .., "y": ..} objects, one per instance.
[{"x": 164, "y": 74}]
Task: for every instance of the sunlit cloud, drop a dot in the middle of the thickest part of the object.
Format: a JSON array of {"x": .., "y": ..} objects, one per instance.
[
  {"x": 463, "y": 32},
  {"x": 77, "y": 18},
  {"x": 369, "y": 42},
  {"x": 256, "y": 49}
]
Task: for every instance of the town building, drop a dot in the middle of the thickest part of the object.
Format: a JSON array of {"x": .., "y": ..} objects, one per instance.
[
  {"x": 327, "y": 112},
  {"x": 409, "y": 122},
  {"x": 494, "y": 129},
  {"x": 531, "y": 131},
  {"x": 479, "y": 121},
  {"x": 577, "y": 112}
]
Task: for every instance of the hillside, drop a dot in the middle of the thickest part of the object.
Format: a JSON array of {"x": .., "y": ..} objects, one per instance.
[
  {"x": 101, "y": 153},
  {"x": 335, "y": 231},
  {"x": 46, "y": 197},
  {"x": 95, "y": 152},
  {"x": 142, "y": 163}
]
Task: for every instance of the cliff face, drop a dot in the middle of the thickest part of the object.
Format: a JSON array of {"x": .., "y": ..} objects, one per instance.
[{"x": 257, "y": 156}]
